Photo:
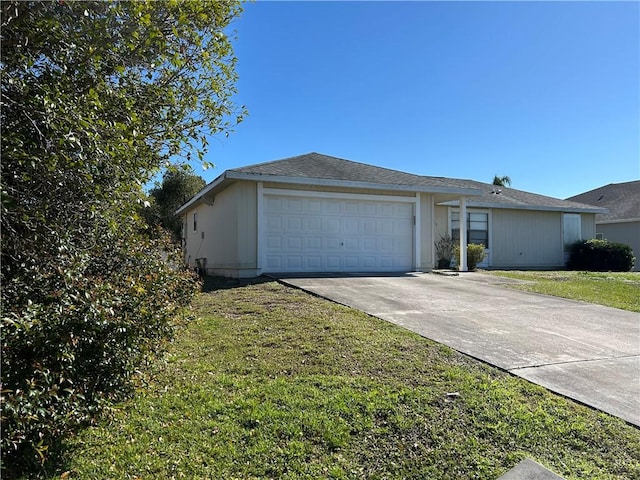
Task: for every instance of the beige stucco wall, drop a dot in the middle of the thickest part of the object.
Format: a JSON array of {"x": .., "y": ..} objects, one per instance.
[
  {"x": 521, "y": 238},
  {"x": 229, "y": 228},
  {"x": 526, "y": 239},
  {"x": 623, "y": 232},
  {"x": 588, "y": 225},
  {"x": 425, "y": 262},
  {"x": 441, "y": 218},
  {"x": 227, "y": 231}
]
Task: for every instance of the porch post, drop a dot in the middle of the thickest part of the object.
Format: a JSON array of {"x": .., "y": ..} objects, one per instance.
[
  {"x": 462, "y": 261},
  {"x": 418, "y": 232}
]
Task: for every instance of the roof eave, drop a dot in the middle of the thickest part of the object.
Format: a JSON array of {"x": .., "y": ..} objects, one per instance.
[
  {"x": 521, "y": 206},
  {"x": 198, "y": 197},
  {"x": 620, "y": 220},
  {"x": 327, "y": 182}
]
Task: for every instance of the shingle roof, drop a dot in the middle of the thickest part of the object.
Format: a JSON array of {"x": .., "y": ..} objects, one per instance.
[
  {"x": 316, "y": 165},
  {"x": 621, "y": 199},
  {"x": 316, "y": 168},
  {"x": 319, "y": 166}
]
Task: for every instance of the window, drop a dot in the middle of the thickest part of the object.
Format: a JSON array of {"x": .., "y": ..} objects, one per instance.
[
  {"x": 195, "y": 221},
  {"x": 477, "y": 227},
  {"x": 571, "y": 229}
]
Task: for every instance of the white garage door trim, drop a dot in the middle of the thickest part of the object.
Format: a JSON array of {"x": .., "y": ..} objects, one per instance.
[{"x": 342, "y": 261}]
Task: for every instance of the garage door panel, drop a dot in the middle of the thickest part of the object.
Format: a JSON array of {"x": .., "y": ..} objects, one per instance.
[
  {"x": 273, "y": 242},
  {"x": 369, "y": 210},
  {"x": 315, "y": 205},
  {"x": 294, "y": 224},
  {"x": 351, "y": 244},
  {"x": 314, "y": 224},
  {"x": 351, "y": 262},
  {"x": 294, "y": 243},
  {"x": 294, "y": 205},
  {"x": 294, "y": 262},
  {"x": 369, "y": 262},
  {"x": 274, "y": 263},
  {"x": 274, "y": 223},
  {"x": 332, "y": 225},
  {"x": 351, "y": 207},
  {"x": 369, "y": 244},
  {"x": 314, "y": 243},
  {"x": 332, "y": 243},
  {"x": 316, "y": 234},
  {"x": 314, "y": 262}
]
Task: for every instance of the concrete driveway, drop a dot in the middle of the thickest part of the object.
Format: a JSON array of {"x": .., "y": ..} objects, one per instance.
[{"x": 587, "y": 352}]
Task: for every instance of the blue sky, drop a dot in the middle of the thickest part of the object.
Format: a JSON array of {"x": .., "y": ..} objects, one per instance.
[{"x": 547, "y": 93}]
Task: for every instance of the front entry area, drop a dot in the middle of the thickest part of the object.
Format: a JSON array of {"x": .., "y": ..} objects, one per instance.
[{"x": 324, "y": 232}]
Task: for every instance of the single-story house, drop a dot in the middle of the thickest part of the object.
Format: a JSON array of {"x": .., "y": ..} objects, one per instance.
[
  {"x": 318, "y": 213},
  {"x": 621, "y": 223}
]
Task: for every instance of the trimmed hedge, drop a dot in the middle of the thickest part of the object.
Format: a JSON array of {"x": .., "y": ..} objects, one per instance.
[
  {"x": 475, "y": 255},
  {"x": 601, "y": 256}
]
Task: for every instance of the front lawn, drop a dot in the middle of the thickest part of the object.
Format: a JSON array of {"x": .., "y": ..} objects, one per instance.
[
  {"x": 271, "y": 382},
  {"x": 612, "y": 289}
]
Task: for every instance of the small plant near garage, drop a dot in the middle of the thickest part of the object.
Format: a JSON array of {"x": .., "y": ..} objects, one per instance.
[
  {"x": 601, "y": 256},
  {"x": 475, "y": 255},
  {"x": 445, "y": 249}
]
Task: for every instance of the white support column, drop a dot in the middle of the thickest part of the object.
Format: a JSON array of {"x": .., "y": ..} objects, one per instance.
[
  {"x": 260, "y": 227},
  {"x": 418, "y": 232},
  {"x": 432, "y": 233},
  {"x": 462, "y": 261}
]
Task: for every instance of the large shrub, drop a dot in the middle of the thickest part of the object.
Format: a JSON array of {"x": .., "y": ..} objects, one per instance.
[
  {"x": 600, "y": 256},
  {"x": 97, "y": 97},
  {"x": 475, "y": 255},
  {"x": 72, "y": 336}
]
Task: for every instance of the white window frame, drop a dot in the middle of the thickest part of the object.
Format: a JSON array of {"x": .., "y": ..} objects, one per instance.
[
  {"x": 471, "y": 210},
  {"x": 194, "y": 220},
  {"x": 487, "y": 249}
]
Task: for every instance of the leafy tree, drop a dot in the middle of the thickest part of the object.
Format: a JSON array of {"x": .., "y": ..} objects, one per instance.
[
  {"x": 178, "y": 185},
  {"x": 501, "y": 181},
  {"x": 96, "y": 97}
]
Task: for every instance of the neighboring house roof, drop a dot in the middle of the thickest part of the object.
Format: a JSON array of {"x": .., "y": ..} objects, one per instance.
[
  {"x": 621, "y": 199},
  {"x": 318, "y": 169}
]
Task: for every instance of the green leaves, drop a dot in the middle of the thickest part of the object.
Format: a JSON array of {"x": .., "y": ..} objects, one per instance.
[{"x": 96, "y": 98}]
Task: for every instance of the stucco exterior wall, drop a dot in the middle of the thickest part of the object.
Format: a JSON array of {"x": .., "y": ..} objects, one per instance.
[
  {"x": 526, "y": 239},
  {"x": 588, "y": 225},
  {"x": 623, "y": 232},
  {"x": 227, "y": 231},
  {"x": 441, "y": 222},
  {"x": 426, "y": 260},
  {"x": 226, "y": 234},
  {"x": 521, "y": 238}
]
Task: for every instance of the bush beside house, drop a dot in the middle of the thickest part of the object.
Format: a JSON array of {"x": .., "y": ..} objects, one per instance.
[
  {"x": 601, "y": 256},
  {"x": 445, "y": 250},
  {"x": 475, "y": 255}
]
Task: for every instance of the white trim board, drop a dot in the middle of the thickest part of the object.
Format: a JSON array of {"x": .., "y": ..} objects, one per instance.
[{"x": 345, "y": 196}]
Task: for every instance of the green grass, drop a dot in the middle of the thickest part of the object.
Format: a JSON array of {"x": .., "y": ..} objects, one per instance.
[
  {"x": 612, "y": 289},
  {"x": 271, "y": 382}
]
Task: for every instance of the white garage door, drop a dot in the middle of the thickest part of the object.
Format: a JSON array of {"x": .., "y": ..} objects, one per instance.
[{"x": 315, "y": 234}]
